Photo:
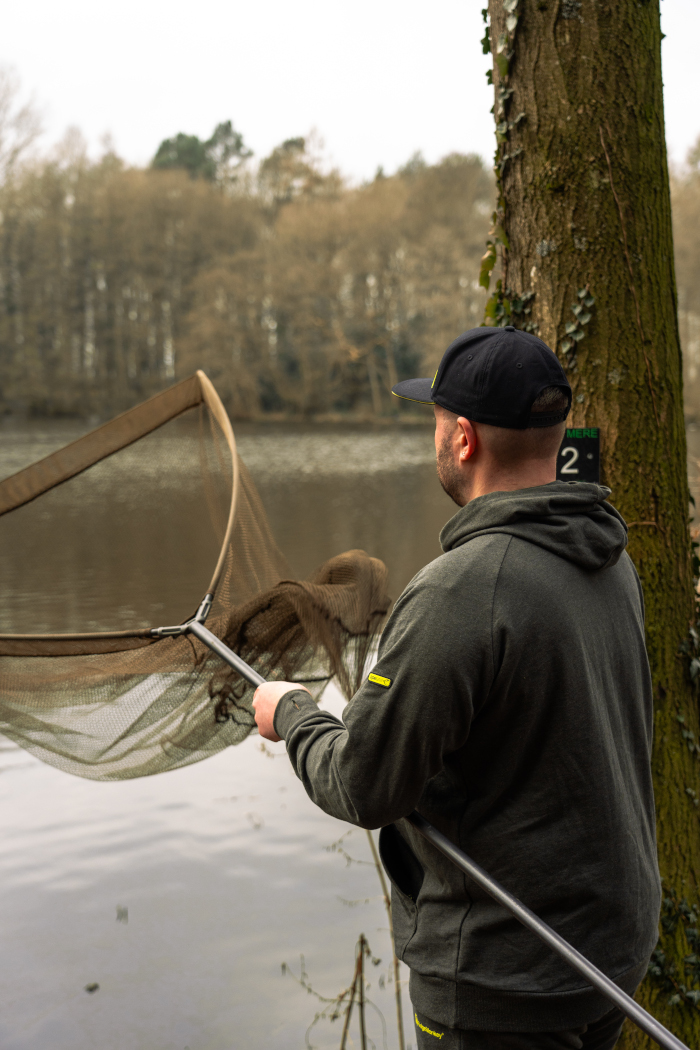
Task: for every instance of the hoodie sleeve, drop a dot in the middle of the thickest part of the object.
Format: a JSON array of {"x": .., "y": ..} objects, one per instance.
[{"x": 435, "y": 667}]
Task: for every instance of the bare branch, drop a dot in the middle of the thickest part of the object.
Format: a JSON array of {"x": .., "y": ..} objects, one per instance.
[{"x": 20, "y": 123}]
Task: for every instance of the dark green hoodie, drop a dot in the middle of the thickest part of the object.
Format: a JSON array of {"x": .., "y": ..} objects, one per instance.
[{"x": 516, "y": 716}]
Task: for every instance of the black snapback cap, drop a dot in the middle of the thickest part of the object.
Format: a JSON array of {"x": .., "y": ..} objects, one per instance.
[{"x": 493, "y": 375}]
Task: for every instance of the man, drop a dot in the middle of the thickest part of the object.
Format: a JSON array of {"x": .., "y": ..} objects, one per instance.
[{"x": 511, "y": 705}]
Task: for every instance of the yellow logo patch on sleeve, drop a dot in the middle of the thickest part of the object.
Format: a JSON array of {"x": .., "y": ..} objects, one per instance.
[{"x": 386, "y": 682}]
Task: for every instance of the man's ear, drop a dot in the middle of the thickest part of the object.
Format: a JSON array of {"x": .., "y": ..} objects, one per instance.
[{"x": 467, "y": 439}]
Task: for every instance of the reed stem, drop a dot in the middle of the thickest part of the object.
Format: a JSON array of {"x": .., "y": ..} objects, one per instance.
[
  {"x": 361, "y": 998},
  {"x": 348, "y": 1012}
]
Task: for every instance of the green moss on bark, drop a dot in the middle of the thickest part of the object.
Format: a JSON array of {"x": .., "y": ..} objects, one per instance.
[{"x": 586, "y": 206}]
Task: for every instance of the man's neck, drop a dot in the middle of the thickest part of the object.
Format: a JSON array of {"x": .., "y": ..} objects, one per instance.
[{"x": 484, "y": 482}]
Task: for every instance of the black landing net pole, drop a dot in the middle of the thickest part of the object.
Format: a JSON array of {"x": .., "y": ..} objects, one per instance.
[{"x": 578, "y": 962}]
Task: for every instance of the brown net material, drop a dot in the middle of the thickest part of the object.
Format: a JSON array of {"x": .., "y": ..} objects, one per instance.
[{"x": 127, "y": 530}]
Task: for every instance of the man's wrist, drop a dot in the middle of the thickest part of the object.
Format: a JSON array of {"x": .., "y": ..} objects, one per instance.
[{"x": 293, "y": 707}]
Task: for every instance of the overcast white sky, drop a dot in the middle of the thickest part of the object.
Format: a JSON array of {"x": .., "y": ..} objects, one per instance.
[{"x": 379, "y": 79}]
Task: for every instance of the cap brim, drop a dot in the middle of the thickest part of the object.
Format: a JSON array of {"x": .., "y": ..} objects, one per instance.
[{"x": 420, "y": 390}]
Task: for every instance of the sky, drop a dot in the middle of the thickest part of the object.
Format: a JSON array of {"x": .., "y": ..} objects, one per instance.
[{"x": 377, "y": 79}]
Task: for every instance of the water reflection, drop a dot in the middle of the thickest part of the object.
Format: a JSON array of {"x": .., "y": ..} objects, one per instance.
[
  {"x": 127, "y": 543},
  {"x": 130, "y": 543},
  {"x": 222, "y": 868},
  {"x": 335, "y": 490}
]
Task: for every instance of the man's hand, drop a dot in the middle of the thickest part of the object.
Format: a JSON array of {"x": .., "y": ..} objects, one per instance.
[{"x": 265, "y": 703}]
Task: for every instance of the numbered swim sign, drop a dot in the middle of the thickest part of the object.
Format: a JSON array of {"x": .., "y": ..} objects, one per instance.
[{"x": 579, "y": 455}]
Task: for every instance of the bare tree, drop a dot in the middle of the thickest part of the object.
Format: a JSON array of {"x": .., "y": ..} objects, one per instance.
[{"x": 20, "y": 123}]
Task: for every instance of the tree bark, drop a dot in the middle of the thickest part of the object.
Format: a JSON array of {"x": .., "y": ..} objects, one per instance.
[{"x": 584, "y": 222}]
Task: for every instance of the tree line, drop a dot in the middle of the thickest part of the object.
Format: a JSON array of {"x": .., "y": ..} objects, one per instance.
[{"x": 297, "y": 293}]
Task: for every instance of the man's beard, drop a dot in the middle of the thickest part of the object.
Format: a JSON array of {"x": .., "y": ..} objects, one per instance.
[{"x": 448, "y": 473}]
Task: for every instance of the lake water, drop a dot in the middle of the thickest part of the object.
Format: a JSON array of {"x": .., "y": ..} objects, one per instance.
[{"x": 181, "y": 895}]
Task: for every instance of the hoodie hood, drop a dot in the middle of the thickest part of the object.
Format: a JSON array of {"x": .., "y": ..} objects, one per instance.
[{"x": 570, "y": 519}]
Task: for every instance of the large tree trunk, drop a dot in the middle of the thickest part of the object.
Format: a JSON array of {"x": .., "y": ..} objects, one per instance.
[{"x": 584, "y": 223}]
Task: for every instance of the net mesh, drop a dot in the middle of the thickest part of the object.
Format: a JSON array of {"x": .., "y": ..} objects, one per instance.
[{"x": 126, "y": 530}]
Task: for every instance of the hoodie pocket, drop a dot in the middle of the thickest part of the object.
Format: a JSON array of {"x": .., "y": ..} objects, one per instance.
[{"x": 400, "y": 862}]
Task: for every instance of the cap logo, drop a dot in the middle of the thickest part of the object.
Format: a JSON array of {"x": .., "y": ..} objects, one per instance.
[{"x": 434, "y": 378}]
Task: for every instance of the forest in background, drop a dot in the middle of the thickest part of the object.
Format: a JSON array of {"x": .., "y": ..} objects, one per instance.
[{"x": 298, "y": 294}]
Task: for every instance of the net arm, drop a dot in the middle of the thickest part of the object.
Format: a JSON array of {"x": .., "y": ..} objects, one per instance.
[
  {"x": 553, "y": 940},
  {"x": 213, "y": 402},
  {"x": 104, "y": 441},
  {"x": 92, "y": 448}
]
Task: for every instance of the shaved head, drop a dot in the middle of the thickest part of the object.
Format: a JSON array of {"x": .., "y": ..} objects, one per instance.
[
  {"x": 474, "y": 458},
  {"x": 514, "y": 447}
]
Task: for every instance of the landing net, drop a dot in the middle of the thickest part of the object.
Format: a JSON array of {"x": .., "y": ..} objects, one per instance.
[{"x": 127, "y": 530}]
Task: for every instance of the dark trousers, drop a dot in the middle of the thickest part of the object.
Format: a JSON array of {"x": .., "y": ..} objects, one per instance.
[{"x": 600, "y": 1035}]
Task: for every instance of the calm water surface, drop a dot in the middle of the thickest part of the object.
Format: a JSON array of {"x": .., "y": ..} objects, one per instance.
[{"x": 182, "y": 894}]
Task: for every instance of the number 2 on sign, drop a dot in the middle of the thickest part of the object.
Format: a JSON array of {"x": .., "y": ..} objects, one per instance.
[{"x": 569, "y": 467}]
